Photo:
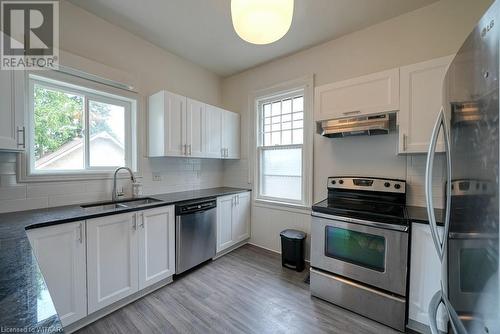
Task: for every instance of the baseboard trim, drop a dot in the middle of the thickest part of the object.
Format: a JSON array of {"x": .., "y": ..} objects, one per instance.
[
  {"x": 115, "y": 306},
  {"x": 230, "y": 249},
  {"x": 271, "y": 250}
]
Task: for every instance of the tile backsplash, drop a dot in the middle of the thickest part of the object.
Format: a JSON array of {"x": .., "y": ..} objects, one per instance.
[
  {"x": 415, "y": 180},
  {"x": 173, "y": 174}
]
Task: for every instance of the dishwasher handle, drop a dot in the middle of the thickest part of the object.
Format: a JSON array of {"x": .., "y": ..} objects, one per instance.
[{"x": 193, "y": 207}]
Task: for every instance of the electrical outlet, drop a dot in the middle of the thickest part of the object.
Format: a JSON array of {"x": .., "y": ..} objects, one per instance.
[{"x": 156, "y": 177}]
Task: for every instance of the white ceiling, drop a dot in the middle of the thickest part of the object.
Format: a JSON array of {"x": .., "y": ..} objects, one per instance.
[{"x": 201, "y": 30}]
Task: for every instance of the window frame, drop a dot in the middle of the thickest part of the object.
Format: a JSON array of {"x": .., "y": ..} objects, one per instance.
[
  {"x": 101, "y": 94},
  {"x": 303, "y": 87}
]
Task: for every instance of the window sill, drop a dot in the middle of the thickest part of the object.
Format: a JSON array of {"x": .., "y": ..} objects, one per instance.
[
  {"x": 275, "y": 205},
  {"x": 74, "y": 176}
]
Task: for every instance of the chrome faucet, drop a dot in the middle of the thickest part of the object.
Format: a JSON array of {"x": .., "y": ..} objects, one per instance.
[{"x": 132, "y": 177}]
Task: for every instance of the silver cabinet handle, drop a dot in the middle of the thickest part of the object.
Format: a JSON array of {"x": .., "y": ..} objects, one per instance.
[
  {"x": 438, "y": 243},
  {"x": 134, "y": 222},
  {"x": 226, "y": 154},
  {"x": 189, "y": 147},
  {"x": 142, "y": 220},
  {"x": 80, "y": 233},
  {"x": 222, "y": 153},
  {"x": 351, "y": 112},
  {"x": 405, "y": 139},
  {"x": 23, "y": 131}
]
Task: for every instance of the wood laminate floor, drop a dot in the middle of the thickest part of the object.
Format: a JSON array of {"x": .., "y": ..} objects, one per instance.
[{"x": 245, "y": 291}]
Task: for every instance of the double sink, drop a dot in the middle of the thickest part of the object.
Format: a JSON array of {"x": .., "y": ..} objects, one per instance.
[{"x": 123, "y": 204}]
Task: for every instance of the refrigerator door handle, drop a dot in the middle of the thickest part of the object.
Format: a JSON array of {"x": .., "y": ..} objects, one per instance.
[
  {"x": 455, "y": 322},
  {"x": 439, "y": 243},
  {"x": 433, "y": 309}
]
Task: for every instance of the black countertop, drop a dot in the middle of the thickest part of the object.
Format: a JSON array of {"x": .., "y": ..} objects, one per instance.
[
  {"x": 25, "y": 302},
  {"x": 418, "y": 214}
]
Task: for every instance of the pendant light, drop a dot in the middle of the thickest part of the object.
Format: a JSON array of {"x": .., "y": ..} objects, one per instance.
[{"x": 261, "y": 21}]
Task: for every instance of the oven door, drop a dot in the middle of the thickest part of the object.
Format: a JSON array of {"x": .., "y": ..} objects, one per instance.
[
  {"x": 367, "y": 254},
  {"x": 473, "y": 265}
]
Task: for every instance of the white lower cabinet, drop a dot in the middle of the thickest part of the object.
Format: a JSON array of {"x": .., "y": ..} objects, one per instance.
[
  {"x": 241, "y": 223},
  {"x": 425, "y": 275},
  {"x": 233, "y": 220},
  {"x": 60, "y": 253},
  {"x": 112, "y": 259},
  {"x": 128, "y": 252},
  {"x": 156, "y": 245}
]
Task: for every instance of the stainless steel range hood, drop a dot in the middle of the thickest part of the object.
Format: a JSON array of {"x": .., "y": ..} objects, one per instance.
[{"x": 359, "y": 126}]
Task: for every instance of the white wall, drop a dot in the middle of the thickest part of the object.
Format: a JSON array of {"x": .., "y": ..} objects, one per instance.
[
  {"x": 430, "y": 32},
  {"x": 111, "y": 52}
]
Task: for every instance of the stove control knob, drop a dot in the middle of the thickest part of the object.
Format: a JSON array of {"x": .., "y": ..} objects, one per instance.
[
  {"x": 341, "y": 181},
  {"x": 334, "y": 182},
  {"x": 387, "y": 184},
  {"x": 397, "y": 186}
]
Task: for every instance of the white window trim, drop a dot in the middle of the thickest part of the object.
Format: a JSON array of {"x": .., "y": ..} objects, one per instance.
[
  {"x": 96, "y": 91},
  {"x": 305, "y": 84}
]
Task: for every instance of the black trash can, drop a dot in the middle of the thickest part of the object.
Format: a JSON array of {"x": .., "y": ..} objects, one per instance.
[{"x": 293, "y": 249}]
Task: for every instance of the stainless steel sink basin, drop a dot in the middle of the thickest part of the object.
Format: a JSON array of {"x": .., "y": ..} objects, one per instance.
[
  {"x": 132, "y": 203},
  {"x": 139, "y": 202}
]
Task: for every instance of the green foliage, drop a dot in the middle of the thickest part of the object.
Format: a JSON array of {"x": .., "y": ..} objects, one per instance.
[{"x": 59, "y": 119}]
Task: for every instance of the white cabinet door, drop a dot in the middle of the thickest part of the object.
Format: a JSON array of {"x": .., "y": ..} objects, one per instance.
[
  {"x": 425, "y": 275},
  {"x": 167, "y": 124},
  {"x": 60, "y": 253},
  {"x": 195, "y": 128},
  {"x": 231, "y": 135},
  {"x": 225, "y": 210},
  {"x": 421, "y": 99},
  {"x": 369, "y": 94},
  {"x": 12, "y": 129},
  {"x": 241, "y": 222},
  {"x": 213, "y": 133},
  {"x": 112, "y": 268},
  {"x": 156, "y": 245}
]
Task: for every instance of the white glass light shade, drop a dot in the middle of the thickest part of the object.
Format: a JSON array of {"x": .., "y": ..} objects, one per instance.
[{"x": 261, "y": 21}]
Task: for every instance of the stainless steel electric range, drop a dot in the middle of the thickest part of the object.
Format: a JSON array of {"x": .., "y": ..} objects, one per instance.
[{"x": 359, "y": 248}]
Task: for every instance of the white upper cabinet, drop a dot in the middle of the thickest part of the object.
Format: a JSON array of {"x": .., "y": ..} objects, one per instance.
[
  {"x": 195, "y": 128},
  {"x": 369, "y": 94},
  {"x": 156, "y": 245},
  {"x": 12, "y": 129},
  {"x": 167, "y": 123},
  {"x": 183, "y": 127},
  {"x": 421, "y": 99},
  {"x": 112, "y": 259},
  {"x": 213, "y": 135},
  {"x": 60, "y": 253},
  {"x": 230, "y": 135}
]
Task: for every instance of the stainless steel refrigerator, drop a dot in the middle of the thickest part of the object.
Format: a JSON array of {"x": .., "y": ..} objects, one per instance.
[{"x": 469, "y": 123}]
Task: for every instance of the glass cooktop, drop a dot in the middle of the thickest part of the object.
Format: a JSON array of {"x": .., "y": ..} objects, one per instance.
[{"x": 380, "y": 212}]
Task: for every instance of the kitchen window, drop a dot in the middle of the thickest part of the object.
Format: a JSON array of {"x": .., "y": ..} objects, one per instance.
[
  {"x": 282, "y": 166},
  {"x": 74, "y": 130}
]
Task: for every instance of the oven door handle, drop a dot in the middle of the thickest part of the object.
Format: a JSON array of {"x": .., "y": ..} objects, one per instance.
[{"x": 439, "y": 243}]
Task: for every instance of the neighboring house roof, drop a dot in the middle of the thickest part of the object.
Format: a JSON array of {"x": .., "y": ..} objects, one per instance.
[{"x": 75, "y": 144}]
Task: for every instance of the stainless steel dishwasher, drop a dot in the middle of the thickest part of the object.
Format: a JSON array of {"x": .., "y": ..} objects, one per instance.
[{"x": 195, "y": 233}]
